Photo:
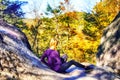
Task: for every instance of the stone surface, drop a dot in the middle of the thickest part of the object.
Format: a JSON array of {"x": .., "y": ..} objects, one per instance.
[
  {"x": 17, "y": 61},
  {"x": 108, "y": 55}
]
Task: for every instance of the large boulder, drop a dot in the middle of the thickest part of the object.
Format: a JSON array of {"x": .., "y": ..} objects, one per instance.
[
  {"x": 108, "y": 55},
  {"x": 17, "y": 61}
]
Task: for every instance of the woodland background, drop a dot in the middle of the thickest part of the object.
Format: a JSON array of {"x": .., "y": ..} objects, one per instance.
[{"x": 78, "y": 33}]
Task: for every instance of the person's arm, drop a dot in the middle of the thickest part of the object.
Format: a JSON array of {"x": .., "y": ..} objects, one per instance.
[
  {"x": 43, "y": 57},
  {"x": 57, "y": 58}
]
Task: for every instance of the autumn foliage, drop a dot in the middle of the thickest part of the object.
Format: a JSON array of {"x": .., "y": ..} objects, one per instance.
[{"x": 78, "y": 33}]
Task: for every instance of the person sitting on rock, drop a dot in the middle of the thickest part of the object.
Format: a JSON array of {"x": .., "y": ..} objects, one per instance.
[{"x": 52, "y": 59}]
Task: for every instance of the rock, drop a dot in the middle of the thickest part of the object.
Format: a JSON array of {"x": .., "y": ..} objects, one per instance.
[
  {"x": 108, "y": 55},
  {"x": 13, "y": 32},
  {"x": 17, "y": 61}
]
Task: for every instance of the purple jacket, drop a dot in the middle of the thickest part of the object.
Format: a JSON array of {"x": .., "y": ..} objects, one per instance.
[{"x": 52, "y": 59}]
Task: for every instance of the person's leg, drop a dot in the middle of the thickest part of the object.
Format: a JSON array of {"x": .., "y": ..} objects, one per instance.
[
  {"x": 82, "y": 66},
  {"x": 66, "y": 65},
  {"x": 78, "y": 64}
]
